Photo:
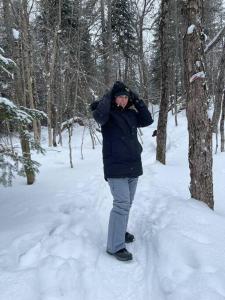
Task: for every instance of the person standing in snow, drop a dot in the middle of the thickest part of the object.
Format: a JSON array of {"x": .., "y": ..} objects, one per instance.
[{"x": 120, "y": 112}]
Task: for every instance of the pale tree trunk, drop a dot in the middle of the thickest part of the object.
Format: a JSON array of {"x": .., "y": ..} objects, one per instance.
[
  {"x": 60, "y": 109},
  {"x": 82, "y": 143},
  {"x": 174, "y": 89},
  {"x": 222, "y": 123},
  {"x": 219, "y": 91},
  {"x": 146, "y": 8},
  {"x": 54, "y": 125},
  {"x": 27, "y": 57},
  {"x": 163, "y": 112},
  {"x": 76, "y": 81},
  {"x": 110, "y": 47},
  {"x": 142, "y": 64},
  {"x": 176, "y": 61},
  {"x": 8, "y": 28},
  {"x": 75, "y": 96},
  {"x": 199, "y": 125},
  {"x": 107, "y": 42},
  {"x": 51, "y": 75},
  {"x": 70, "y": 133}
]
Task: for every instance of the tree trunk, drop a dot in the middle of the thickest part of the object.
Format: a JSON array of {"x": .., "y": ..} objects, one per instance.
[
  {"x": 199, "y": 125},
  {"x": 51, "y": 75},
  {"x": 27, "y": 157},
  {"x": 176, "y": 61},
  {"x": 222, "y": 123},
  {"x": 8, "y": 28},
  {"x": 27, "y": 57},
  {"x": 219, "y": 91},
  {"x": 163, "y": 112},
  {"x": 107, "y": 42}
]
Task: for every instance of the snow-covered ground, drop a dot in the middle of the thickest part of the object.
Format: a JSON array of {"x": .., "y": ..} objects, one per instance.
[{"x": 53, "y": 233}]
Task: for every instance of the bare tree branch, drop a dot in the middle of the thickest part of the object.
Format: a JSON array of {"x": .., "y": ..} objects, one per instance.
[{"x": 215, "y": 40}]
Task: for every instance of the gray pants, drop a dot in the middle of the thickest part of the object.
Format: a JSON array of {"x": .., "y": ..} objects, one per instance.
[{"x": 123, "y": 190}]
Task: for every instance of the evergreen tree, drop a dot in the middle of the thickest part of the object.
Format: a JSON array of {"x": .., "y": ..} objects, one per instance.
[
  {"x": 123, "y": 28},
  {"x": 16, "y": 119}
]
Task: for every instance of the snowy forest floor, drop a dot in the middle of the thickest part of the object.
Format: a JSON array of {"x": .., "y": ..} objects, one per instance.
[{"x": 53, "y": 233}]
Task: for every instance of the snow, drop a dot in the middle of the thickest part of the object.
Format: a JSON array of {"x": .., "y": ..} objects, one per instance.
[
  {"x": 3, "y": 59},
  {"x": 18, "y": 114},
  {"x": 16, "y": 34},
  {"x": 209, "y": 45},
  {"x": 4, "y": 85},
  {"x": 53, "y": 233},
  {"x": 7, "y": 102},
  {"x": 191, "y": 29},
  {"x": 6, "y": 61},
  {"x": 198, "y": 63},
  {"x": 197, "y": 75}
]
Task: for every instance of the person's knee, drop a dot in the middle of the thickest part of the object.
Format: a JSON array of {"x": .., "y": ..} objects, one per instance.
[{"x": 121, "y": 207}]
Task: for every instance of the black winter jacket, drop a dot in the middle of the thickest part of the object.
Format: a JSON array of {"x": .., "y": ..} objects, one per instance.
[{"x": 121, "y": 148}]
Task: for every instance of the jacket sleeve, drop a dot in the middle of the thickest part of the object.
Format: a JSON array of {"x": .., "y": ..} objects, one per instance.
[
  {"x": 101, "y": 112},
  {"x": 144, "y": 117}
]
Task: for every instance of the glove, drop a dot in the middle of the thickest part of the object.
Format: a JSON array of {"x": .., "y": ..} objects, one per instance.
[
  {"x": 133, "y": 96},
  {"x": 94, "y": 105},
  {"x": 154, "y": 133},
  {"x": 106, "y": 99},
  {"x": 135, "y": 100}
]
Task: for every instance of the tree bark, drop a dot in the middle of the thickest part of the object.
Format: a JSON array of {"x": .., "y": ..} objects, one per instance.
[
  {"x": 147, "y": 7},
  {"x": 163, "y": 112},
  {"x": 199, "y": 125},
  {"x": 219, "y": 91},
  {"x": 25, "y": 145},
  {"x": 107, "y": 42},
  {"x": 51, "y": 75},
  {"x": 222, "y": 123},
  {"x": 27, "y": 57}
]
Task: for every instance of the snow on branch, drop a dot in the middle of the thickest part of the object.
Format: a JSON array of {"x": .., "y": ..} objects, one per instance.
[
  {"x": 34, "y": 113},
  {"x": 191, "y": 29},
  {"x": 9, "y": 111},
  {"x": 68, "y": 123},
  {"x": 215, "y": 40},
  {"x": 197, "y": 76},
  {"x": 9, "y": 105},
  {"x": 6, "y": 60},
  {"x": 5, "y": 63}
]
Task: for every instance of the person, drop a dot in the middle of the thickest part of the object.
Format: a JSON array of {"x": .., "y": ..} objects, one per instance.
[{"x": 120, "y": 112}]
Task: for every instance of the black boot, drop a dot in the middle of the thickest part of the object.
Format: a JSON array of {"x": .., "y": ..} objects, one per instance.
[
  {"x": 129, "y": 238},
  {"x": 122, "y": 254}
]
